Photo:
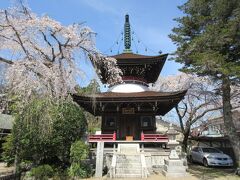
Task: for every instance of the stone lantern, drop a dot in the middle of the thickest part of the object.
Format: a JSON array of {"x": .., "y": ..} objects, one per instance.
[
  {"x": 171, "y": 133},
  {"x": 173, "y": 166}
]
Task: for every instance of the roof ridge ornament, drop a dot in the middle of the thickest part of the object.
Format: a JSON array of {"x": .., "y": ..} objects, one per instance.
[{"x": 127, "y": 35}]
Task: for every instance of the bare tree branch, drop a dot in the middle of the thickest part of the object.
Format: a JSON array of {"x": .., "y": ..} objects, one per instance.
[
  {"x": 17, "y": 34},
  {"x": 59, "y": 45},
  {"x": 6, "y": 61},
  {"x": 185, "y": 109},
  {"x": 205, "y": 112},
  {"x": 50, "y": 45},
  {"x": 180, "y": 118}
]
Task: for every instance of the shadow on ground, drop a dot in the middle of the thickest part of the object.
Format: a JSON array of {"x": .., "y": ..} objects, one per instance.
[{"x": 206, "y": 173}]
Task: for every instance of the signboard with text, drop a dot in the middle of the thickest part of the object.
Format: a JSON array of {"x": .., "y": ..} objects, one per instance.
[{"x": 128, "y": 111}]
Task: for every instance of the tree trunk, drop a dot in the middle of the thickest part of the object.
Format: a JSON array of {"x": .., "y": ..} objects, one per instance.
[
  {"x": 228, "y": 119},
  {"x": 185, "y": 138},
  {"x": 17, "y": 170}
]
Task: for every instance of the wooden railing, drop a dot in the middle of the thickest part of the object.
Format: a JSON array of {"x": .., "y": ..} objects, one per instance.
[
  {"x": 102, "y": 137},
  {"x": 112, "y": 138},
  {"x": 154, "y": 137}
]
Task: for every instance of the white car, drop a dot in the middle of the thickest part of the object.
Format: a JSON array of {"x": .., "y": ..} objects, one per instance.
[{"x": 209, "y": 156}]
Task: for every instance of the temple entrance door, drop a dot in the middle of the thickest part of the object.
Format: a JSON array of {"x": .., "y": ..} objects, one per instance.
[{"x": 128, "y": 127}]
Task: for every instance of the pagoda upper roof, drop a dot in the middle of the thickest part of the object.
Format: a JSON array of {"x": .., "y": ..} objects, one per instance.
[
  {"x": 145, "y": 67},
  {"x": 133, "y": 56},
  {"x": 130, "y": 58},
  {"x": 163, "y": 102}
]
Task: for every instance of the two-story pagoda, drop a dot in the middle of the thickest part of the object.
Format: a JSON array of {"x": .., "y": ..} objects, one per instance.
[{"x": 129, "y": 108}]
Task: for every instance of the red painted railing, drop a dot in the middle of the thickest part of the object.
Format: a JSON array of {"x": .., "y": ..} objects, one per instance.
[
  {"x": 102, "y": 137},
  {"x": 154, "y": 137},
  {"x": 112, "y": 137}
]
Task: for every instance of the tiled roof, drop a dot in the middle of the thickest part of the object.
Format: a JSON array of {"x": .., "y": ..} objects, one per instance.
[
  {"x": 131, "y": 64},
  {"x": 144, "y": 94},
  {"x": 133, "y": 56},
  {"x": 163, "y": 101}
]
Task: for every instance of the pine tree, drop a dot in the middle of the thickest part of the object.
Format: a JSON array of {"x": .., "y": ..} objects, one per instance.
[{"x": 208, "y": 41}]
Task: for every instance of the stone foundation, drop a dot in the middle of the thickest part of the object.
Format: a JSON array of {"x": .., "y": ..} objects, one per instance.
[
  {"x": 156, "y": 160},
  {"x": 174, "y": 166}
]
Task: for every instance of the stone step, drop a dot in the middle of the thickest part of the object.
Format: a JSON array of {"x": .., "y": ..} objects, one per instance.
[
  {"x": 128, "y": 148},
  {"x": 129, "y": 162},
  {"x": 129, "y": 159},
  {"x": 128, "y": 156},
  {"x": 129, "y": 165},
  {"x": 128, "y": 171},
  {"x": 128, "y": 175}
]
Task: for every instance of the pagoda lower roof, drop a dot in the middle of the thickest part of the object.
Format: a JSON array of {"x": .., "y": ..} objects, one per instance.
[{"x": 163, "y": 102}]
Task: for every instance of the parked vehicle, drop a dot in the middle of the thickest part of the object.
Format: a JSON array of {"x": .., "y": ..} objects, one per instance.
[{"x": 209, "y": 156}]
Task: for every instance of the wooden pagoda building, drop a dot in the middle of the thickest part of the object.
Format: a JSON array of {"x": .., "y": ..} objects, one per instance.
[{"x": 129, "y": 108}]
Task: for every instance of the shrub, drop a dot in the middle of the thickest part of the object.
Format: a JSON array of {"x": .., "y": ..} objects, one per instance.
[
  {"x": 79, "y": 167},
  {"x": 49, "y": 128},
  {"x": 8, "y": 151},
  {"x": 82, "y": 170},
  {"x": 42, "y": 172},
  {"x": 79, "y": 151}
]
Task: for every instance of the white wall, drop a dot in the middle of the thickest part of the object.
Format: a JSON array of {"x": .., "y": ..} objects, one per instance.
[{"x": 128, "y": 88}]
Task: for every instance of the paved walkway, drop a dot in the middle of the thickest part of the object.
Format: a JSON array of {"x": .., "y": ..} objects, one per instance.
[
  {"x": 161, "y": 177},
  {"x": 152, "y": 177}
]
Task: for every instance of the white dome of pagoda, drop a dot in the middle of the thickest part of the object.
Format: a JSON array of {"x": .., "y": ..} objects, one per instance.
[{"x": 128, "y": 88}]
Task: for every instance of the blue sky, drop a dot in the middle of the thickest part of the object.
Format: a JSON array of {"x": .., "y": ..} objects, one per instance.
[{"x": 152, "y": 21}]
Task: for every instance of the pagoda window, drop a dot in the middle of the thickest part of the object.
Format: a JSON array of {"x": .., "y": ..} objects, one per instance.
[
  {"x": 110, "y": 121},
  {"x": 146, "y": 121}
]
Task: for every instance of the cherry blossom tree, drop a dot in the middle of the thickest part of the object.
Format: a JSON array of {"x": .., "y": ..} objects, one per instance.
[
  {"x": 3, "y": 98},
  {"x": 199, "y": 100},
  {"x": 203, "y": 98},
  {"x": 44, "y": 56},
  {"x": 43, "y": 60}
]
